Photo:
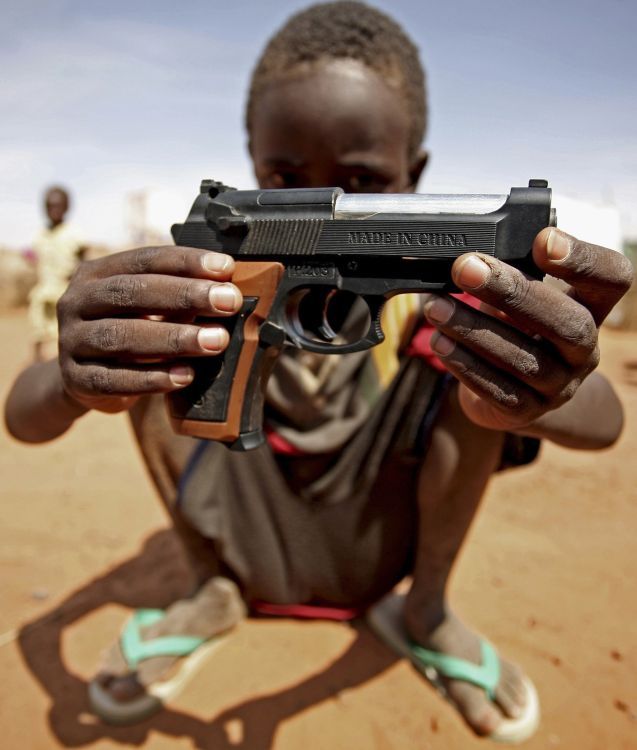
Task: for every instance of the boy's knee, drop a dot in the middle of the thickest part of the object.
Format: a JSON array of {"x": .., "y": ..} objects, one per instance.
[
  {"x": 459, "y": 450},
  {"x": 470, "y": 438}
]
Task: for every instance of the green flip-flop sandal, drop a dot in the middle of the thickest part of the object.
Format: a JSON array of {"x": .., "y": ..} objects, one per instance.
[
  {"x": 485, "y": 675},
  {"x": 386, "y": 620},
  {"x": 192, "y": 650}
]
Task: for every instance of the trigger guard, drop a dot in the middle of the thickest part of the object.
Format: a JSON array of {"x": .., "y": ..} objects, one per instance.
[
  {"x": 372, "y": 337},
  {"x": 375, "y": 305}
]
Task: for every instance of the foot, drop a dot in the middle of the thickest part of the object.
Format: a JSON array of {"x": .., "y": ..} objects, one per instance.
[
  {"x": 215, "y": 608},
  {"x": 447, "y": 634}
]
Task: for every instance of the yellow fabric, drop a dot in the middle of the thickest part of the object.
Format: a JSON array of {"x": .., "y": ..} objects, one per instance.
[
  {"x": 397, "y": 320},
  {"x": 58, "y": 252}
]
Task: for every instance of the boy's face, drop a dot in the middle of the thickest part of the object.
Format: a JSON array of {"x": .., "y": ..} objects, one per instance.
[
  {"x": 337, "y": 125},
  {"x": 56, "y": 204}
]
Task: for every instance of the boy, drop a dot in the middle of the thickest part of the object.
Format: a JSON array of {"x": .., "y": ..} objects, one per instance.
[
  {"x": 360, "y": 485},
  {"x": 59, "y": 249}
]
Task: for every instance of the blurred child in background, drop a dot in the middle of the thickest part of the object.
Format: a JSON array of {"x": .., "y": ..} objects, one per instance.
[{"x": 58, "y": 248}]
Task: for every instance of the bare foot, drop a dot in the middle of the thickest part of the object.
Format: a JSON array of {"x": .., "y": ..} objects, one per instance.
[
  {"x": 450, "y": 636},
  {"x": 215, "y": 608}
]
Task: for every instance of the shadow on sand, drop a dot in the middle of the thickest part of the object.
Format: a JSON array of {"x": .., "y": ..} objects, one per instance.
[{"x": 69, "y": 715}]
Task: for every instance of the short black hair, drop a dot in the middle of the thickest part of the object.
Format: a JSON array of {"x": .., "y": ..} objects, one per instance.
[
  {"x": 58, "y": 189},
  {"x": 354, "y": 30}
]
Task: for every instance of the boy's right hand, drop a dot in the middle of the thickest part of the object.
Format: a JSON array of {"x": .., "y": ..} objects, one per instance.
[{"x": 126, "y": 322}]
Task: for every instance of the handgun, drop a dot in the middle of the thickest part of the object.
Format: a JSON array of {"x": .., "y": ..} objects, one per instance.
[{"x": 306, "y": 257}]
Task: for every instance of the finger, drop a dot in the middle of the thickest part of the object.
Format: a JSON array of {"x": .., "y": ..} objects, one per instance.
[
  {"x": 155, "y": 295},
  {"x": 505, "y": 347},
  {"x": 170, "y": 260},
  {"x": 129, "y": 340},
  {"x": 514, "y": 403},
  {"x": 493, "y": 311},
  {"x": 599, "y": 277},
  {"x": 97, "y": 379},
  {"x": 531, "y": 305}
]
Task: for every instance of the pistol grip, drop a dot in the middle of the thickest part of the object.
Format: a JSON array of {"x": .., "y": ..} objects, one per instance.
[{"x": 225, "y": 400}]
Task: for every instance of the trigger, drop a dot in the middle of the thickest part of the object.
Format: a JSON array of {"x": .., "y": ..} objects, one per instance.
[
  {"x": 325, "y": 331},
  {"x": 313, "y": 313}
]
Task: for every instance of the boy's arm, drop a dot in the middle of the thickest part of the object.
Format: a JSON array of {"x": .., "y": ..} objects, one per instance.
[
  {"x": 38, "y": 408},
  {"x": 591, "y": 420},
  {"x": 525, "y": 361},
  {"x": 126, "y": 323}
]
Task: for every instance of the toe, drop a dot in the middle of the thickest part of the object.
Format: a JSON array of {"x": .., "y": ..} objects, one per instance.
[
  {"x": 510, "y": 694},
  {"x": 508, "y": 701},
  {"x": 125, "y": 688},
  {"x": 473, "y": 703},
  {"x": 103, "y": 679}
]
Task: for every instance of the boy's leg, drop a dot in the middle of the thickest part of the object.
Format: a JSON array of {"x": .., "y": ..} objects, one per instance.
[
  {"x": 461, "y": 459},
  {"x": 166, "y": 456},
  {"x": 215, "y": 605},
  {"x": 213, "y": 610}
]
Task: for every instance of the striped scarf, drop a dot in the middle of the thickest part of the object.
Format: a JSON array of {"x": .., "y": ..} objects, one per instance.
[{"x": 316, "y": 402}]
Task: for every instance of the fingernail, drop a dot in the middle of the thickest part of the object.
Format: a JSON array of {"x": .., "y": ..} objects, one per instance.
[
  {"x": 442, "y": 344},
  {"x": 473, "y": 272},
  {"x": 439, "y": 309},
  {"x": 212, "y": 339},
  {"x": 216, "y": 262},
  {"x": 558, "y": 245},
  {"x": 224, "y": 298},
  {"x": 181, "y": 375}
]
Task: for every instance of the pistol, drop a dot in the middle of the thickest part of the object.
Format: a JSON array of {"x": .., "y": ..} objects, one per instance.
[{"x": 305, "y": 257}]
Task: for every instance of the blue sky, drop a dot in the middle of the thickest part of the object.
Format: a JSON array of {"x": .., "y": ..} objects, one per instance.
[{"x": 111, "y": 98}]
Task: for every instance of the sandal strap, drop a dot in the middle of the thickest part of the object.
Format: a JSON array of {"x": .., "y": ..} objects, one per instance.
[
  {"x": 485, "y": 675},
  {"x": 136, "y": 650}
]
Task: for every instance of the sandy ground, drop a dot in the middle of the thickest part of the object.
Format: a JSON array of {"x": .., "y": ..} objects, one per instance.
[{"x": 548, "y": 574}]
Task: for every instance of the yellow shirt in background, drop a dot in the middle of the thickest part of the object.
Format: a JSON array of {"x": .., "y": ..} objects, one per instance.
[{"x": 58, "y": 253}]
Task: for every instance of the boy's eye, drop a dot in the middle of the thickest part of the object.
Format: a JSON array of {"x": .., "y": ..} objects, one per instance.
[
  {"x": 366, "y": 182},
  {"x": 285, "y": 179}
]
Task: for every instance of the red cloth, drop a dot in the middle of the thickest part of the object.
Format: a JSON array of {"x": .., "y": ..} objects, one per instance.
[
  {"x": 280, "y": 445},
  {"x": 306, "y": 611}
]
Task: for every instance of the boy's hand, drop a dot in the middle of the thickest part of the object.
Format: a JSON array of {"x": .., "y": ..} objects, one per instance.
[
  {"x": 126, "y": 322},
  {"x": 532, "y": 344}
]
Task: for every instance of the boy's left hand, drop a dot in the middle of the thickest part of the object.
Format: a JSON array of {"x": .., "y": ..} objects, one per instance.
[{"x": 532, "y": 344}]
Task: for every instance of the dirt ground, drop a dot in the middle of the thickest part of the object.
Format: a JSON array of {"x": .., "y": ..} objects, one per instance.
[{"x": 548, "y": 574}]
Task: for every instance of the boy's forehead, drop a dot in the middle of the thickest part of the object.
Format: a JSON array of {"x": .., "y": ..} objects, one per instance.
[
  {"x": 336, "y": 100},
  {"x": 55, "y": 196}
]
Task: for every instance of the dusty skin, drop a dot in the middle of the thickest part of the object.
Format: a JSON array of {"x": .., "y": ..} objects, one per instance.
[{"x": 548, "y": 575}]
